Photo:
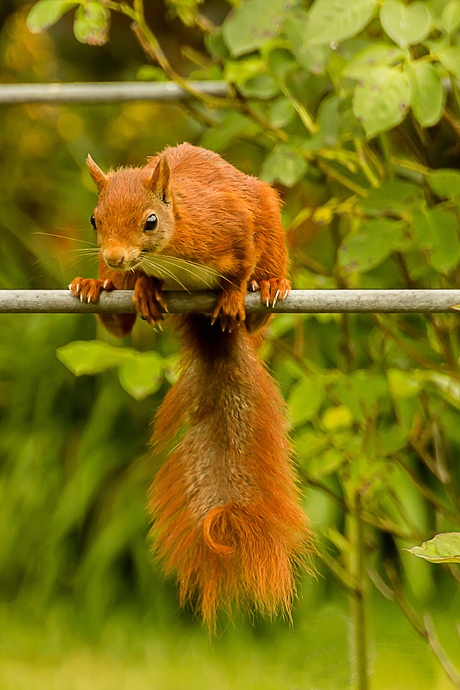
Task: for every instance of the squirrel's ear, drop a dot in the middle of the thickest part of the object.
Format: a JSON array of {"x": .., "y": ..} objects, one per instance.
[
  {"x": 96, "y": 173},
  {"x": 160, "y": 182}
]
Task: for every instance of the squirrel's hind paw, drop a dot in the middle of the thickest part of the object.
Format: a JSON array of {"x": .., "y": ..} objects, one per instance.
[
  {"x": 273, "y": 290},
  {"x": 229, "y": 309},
  {"x": 89, "y": 289}
]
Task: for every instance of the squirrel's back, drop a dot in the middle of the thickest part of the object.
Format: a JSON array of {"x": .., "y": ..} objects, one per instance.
[{"x": 202, "y": 179}]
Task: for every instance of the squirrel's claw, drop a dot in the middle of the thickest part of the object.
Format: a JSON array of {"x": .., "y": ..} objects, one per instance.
[
  {"x": 273, "y": 290},
  {"x": 89, "y": 289},
  {"x": 230, "y": 309},
  {"x": 149, "y": 300}
]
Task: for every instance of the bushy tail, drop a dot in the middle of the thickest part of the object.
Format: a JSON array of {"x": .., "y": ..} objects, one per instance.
[{"x": 225, "y": 503}]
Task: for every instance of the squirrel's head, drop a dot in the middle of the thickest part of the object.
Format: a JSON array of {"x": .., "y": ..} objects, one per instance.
[{"x": 134, "y": 216}]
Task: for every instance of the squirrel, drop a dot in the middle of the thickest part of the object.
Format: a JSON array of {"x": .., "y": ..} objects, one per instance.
[{"x": 225, "y": 511}]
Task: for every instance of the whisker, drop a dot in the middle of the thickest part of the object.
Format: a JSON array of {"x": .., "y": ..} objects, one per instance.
[
  {"x": 180, "y": 262},
  {"x": 84, "y": 250},
  {"x": 163, "y": 271},
  {"x": 62, "y": 237}
]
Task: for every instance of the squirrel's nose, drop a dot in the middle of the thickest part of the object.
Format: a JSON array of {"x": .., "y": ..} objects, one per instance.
[{"x": 116, "y": 257}]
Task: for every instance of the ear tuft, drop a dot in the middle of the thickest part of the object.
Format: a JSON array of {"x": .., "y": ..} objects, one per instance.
[
  {"x": 160, "y": 182},
  {"x": 96, "y": 173}
]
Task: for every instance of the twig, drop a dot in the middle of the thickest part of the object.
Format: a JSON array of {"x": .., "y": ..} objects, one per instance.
[{"x": 424, "y": 626}]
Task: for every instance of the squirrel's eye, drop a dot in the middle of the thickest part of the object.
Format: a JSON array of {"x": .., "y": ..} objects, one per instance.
[
  {"x": 151, "y": 222},
  {"x": 93, "y": 222}
]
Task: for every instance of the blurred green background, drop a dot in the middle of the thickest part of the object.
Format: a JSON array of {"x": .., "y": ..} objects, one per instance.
[{"x": 373, "y": 400}]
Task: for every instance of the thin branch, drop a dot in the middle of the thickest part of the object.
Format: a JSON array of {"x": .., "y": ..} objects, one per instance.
[
  {"x": 428, "y": 493},
  {"x": 424, "y": 626},
  {"x": 338, "y": 571},
  {"x": 436, "y": 646}
]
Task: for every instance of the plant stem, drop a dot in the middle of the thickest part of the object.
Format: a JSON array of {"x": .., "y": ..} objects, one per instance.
[
  {"x": 345, "y": 181},
  {"x": 385, "y": 144},
  {"x": 358, "y": 614},
  {"x": 365, "y": 167},
  {"x": 424, "y": 626},
  {"x": 300, "y": 109}
]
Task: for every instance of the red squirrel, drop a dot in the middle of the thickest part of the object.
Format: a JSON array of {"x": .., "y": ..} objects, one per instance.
[{"x": 225, "y": 508}]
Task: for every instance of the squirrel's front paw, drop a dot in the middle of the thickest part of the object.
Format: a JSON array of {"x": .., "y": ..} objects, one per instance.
[
  {"x": 272, "y": 290},
  {"x": 230, "y": 309},
  {"x": 148, "y": 300},
  {"x": 89, "y": 289}
]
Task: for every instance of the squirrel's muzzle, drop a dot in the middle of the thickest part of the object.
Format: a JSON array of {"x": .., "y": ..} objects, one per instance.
[{"x": 120, "y": 258}]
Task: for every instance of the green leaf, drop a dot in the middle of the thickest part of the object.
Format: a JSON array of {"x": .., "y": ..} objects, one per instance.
[
  {"x": 437, "y": 234},
  {"x": 312, "y": 57},
  {"x": 253, "y": 23},
  {"x": 281, "y": 62},
  {"x": 261, "y": 86},
  {"x": 361, "y": 391},
  {"x": 443, "y": 548},
  {"x": 304, "y": 400},
  {"x": 232, "y": 124},
  {"x": 142, "y": 375},
  {"x": 151, "y": 73},
  {"x": 215, "y": 45},
  {"x": 336, "y": 20},
  {"x": 324, "y": 464},
  {"x": 449, "y": 57},
  {"x": 402, "y": 384},
  {"x": 381, "y": 54},
  {"x": 450, "y": 18},
  {"x": 281, "y": 112},
  {"x": 328, "y": 119},
  {"x": 45, "y": 13},
  {"x": 251, "y": 77},
  {"x": 392, "y": 197},
  {"x": 367, "y": 249},
  {"x": 445, "y": 183},
  {"x": 381, "y": 100},
  {"x": 427, "y": 94},
  {"x": 390, "y": 440},
  {"x": 92, "y": 356},
  {"x": 338, "y": 417},
  {"x": 309, "y": 443},
  {"x": 239, "y": 71},
  {"x": 91, "y": 24},
  {"x": 283, "y": 165},
  {"x": 406, "y": 24}
]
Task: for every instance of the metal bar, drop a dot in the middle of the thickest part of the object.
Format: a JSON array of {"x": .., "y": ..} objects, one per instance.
[
  {"x": 110, "y": 92},
  {"x": 106, "y": 92},
  {"x": 298, "y": 302}
]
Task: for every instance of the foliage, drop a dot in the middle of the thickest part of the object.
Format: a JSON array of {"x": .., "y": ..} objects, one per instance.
[
  {"x": 140, "y": 374},
  {"x": 443, "y": 548},
  {"x": 352, "y": 109}
]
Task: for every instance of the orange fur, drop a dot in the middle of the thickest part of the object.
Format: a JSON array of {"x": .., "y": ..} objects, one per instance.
[
  {"x": 227, "y": 521},
  {"x": 225, "y": 508}
]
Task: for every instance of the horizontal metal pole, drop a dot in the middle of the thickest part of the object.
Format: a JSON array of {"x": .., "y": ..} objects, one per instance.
[
  {"x": 109, "y": 92},
  {"x": 298, "y": 302},
  {"x": 106, "y": 92}
]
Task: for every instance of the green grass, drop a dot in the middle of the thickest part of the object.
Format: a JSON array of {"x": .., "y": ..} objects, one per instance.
[{"x": 132, "y": 653}]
